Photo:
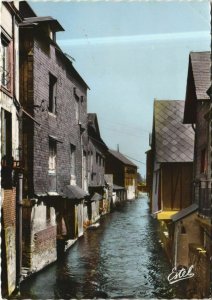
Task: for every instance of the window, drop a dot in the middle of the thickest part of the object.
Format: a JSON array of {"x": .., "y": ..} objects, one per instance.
[
  {"x": 203, "y": 161},
  {"x": 77, "y": 104},
  {"x": 5, "y": 63},
  {"x": 52, "y": 93},
  {"x": 6, "y": 134},
  {"x": 72, "y": 159},
  {"x": 91, "y": 162},
  {"x": 52, "y": 156},
  {"x": 6, "y": 149}
]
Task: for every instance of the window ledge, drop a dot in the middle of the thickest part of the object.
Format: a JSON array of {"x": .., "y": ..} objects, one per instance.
[
  {"x": 52, "y": 114},
  {"x": 52, "y": 172}
]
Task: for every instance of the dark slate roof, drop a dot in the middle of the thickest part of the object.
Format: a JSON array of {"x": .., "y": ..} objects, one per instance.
[
  {"x": 201, "y": 63},
  {"x": 91, "y": 117},
  {"x": 122, "y": 158},
  {"x": 55, "y": 25},
  {"x": 93, "y": 129},
  {"x": 73, "y": 192},
  {"x": 185, "y": 212},
  {"x": 174, "y": 141}
]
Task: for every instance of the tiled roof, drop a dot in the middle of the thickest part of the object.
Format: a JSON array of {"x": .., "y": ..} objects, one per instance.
[
  {"x": 93, "y": 129},
  {"x": 121, "y": 157},
  {"x": 201, "y": 63},
  {"x": 185, "y": 212},
  {"x": 174, "y": 141},
  {"x": 73, "y": 192}
]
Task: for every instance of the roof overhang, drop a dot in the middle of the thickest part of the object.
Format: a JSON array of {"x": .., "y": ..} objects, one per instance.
[
  {"x": 185, "y": 212},
  {"x": 54, "y": 24},
  {"x": 73, "y": 192},
  {"x": 166, "y": 215}
]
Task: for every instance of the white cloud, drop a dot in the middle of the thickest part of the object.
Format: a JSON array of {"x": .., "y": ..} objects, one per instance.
[{"x": 135, "y": 38}]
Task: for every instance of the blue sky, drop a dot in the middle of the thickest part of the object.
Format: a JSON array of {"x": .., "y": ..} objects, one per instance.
[{"x": 130, "y": 53}]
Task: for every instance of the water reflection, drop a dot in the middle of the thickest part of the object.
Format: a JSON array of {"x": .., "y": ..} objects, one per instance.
[{"x": 120, "y": 259}]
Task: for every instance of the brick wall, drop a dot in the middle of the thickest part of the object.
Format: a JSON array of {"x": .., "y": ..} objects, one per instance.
[
  {"x": 201, "y": 137},
  {"x": 96, "y": 170},
  {"x": 39, "y": 237},
  {"x": 44, "y": 245},
  {"x": 63, "y": 125},
  {"x": 8, "y": 222}
]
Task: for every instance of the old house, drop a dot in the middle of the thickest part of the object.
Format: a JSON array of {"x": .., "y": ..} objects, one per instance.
[
  {"x": 11, "y": 178},
  {"x": 99, "y": 202},
  {"x": 149, "y": 172},
  {"x": 54, "y": 142},
  {"x": 124, "y": 173},
  {"x": 197, "y": 113},
  {"x": 172, "y": 158}
]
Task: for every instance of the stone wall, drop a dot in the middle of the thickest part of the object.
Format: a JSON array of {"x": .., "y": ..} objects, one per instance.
[
  {"x": 42, "y": 59},
  {"x": 39, "y": 236}
]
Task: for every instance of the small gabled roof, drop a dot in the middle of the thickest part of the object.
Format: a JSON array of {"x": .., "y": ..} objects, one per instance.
[
  {"x": 201, "y": 64},
  {"x": 174, "y": 141},
  {"x": 73, "y": 192},
  {"x": 121, "y": 157},
  {"x": 54, "y": 24},
  {"x": 93, "y": 129},
  {"x": 198, "y": 83},
  {"x": 185, "y": 212},
  {"x": 93, "y": 122}
]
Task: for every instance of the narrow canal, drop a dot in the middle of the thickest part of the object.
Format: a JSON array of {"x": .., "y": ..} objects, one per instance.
[{"x": 120, "y": 259}]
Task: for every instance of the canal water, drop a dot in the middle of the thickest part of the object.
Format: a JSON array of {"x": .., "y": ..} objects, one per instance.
[{"x": 121, "y": 259}]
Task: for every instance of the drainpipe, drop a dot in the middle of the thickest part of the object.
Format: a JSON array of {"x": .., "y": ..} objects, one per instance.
[
  {"x": 20, "y": 175},
  {"x": 175, "y": 254},
  {"x": 19, "y": 231}
]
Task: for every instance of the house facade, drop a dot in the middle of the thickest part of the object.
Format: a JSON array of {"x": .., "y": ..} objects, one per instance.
[
  {"x": 124, "y": 173},
  {"x": 197, "y": 113},
  {"x": 99, "y": 200},
  {"x": 54, "y": 142},
  {"x": 170, "y": 163},
  {"x": 11, "y": 177}
]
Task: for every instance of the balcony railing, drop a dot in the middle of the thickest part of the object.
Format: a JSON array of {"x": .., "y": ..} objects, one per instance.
[{"x": 204, "y": 195}]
